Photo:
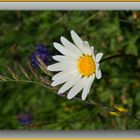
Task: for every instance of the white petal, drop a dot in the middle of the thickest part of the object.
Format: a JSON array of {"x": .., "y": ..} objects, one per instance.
[
  {"x": 63, "y": 79},
  {"x": 62, "y": 49},
  {"x": 64, "y": 58},
  {"x": 92, "y": 50},
  {"x": 99, "y": 56},
  {"x": 63, "y": 74},
  {"x": 87, "y": 87},
  {"x": 76, "y": 88},
  {"x": 59, "y": 74},
  {"x": 98, "y": 74},
  {"x": 77, "y": 40},
  {"x": 69, "y": 84},
  {"x": 86, "y": 48},
  {"x": 61, "y": 66},
  {"x": 97, "y": 66},
  {"x": 82, "y": 45},
  {"x": 70, "y": 46}
]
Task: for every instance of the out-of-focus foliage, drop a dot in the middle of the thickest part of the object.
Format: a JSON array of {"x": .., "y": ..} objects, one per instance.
[{"x": 110, "y": 32}]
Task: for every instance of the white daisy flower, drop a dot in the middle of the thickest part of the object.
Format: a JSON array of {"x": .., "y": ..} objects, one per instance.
[{"x": 77, "y": 66}]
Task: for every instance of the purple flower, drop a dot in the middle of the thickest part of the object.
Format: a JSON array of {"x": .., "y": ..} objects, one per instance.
[
  {"x": 24, "y": 119},
  {"x": 42, "y": 52}
]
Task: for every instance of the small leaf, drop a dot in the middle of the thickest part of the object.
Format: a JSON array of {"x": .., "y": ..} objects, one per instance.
[
  {"x": 44, "y": 81},
  {"x": 3, "y": 78},
  {"x": 13, "y": 73},
  {"x": 31, "y": 68},
  {"x": 24, "y": 72},
  {"x": 43, "y": 67}
]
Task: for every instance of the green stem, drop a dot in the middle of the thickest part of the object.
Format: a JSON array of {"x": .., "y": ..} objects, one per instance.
[
  {"x": 119, "y": 56},
  {"x": 24, "y": 81},
  {"x": 94, "y": 102}
]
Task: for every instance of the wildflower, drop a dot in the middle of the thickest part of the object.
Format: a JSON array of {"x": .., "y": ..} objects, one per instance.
[
  {"x": 120, "y": 109},
  {"x": 43, "y": 53},
  {"x": 24, "y": 119},
  {"x": 78, "y": 66}
]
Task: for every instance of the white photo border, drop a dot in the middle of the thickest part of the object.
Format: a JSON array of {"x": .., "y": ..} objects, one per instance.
[{"x": 70, "y": 6}]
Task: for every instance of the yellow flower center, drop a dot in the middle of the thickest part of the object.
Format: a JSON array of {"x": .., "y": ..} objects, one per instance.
[{"x": 86, "y": 65}]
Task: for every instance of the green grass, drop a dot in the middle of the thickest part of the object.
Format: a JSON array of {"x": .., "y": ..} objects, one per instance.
[{"x": 110, "y": 32}]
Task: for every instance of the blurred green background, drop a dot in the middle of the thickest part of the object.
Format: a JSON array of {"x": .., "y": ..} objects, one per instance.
[{"x": 110, "y": 32}]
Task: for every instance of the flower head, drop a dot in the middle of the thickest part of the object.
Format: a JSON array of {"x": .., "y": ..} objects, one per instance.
[
  {"x": 42, "y": 52},
  {"x": 77, "y": 66},
  {"x": 24, "y": 119}
]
